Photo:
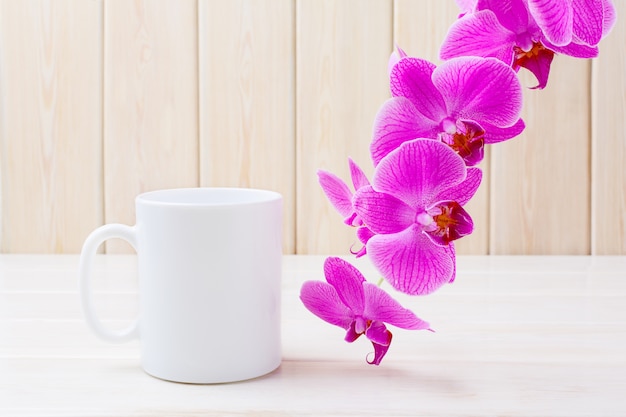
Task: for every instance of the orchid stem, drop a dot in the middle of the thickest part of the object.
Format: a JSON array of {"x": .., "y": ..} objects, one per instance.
[{"x": 380, "y": 281}]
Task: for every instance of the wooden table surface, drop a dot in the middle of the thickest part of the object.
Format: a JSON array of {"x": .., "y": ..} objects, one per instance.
[{"x": 515, "y": 336}]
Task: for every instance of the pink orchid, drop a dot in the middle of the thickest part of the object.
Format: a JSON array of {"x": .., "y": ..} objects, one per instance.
[
  {"x": 426, "y": 140},
  {"x": 348, "y": 301},
  {"x": 414, "y": 210},
  {"x": 465, "y": 103},
  {"x": 527, "y": 33}
]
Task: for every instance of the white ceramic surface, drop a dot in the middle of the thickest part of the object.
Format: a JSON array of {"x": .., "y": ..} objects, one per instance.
[{"x": 209, "y": 262}]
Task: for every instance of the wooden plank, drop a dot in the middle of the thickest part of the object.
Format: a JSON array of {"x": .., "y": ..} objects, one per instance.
[
  {"x": 50, "y": 124},
  {"x": 540, "y": 181},
  {"x": 52, "y": 99},
  {"x": 419, "y": 29},
  {"x": 247, "y": 98},
  {"x": 608, "y": 187},
  {"x": 150, "y": 102},
  {"x": 341, "y": 58}
]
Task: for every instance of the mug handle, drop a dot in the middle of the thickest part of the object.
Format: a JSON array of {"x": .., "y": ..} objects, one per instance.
[{"x": 93, "y": 241}]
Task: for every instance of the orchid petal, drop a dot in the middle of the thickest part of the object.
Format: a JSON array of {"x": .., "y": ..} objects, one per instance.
[
  {"x": 410, "y": 262},
  {"x": 494, "y": 134},
  {"x": 352, "y": 334},
  {"x": 609, "y": 16},
  {"x": 588, "y": 20},
  {"x": 475, "y": 154},
  {"x": 361, "y": 252},
  {"x": 464, "y": 191},
  {"x": 363, "y": 234},
  {"x": 463, "y": 227},
  {"x": 411, "y": 78},
  {"x": 348, "y": 282},
  {"x": 382, "y": 213},
  {"x": 451, "y": 251},
  {"x": 321, "y": 299},
  {"x": 512, "y": 14},
  {"x": 398, "y": 121},
  {"x": 353, "y": 220},
  {"x": 358, "y": 176},
  {"x": 574, "y": 49},
  {"x": 336, "y": 191},
  {"x": 555, "y": 18},
  {"x": 381, "y": 306},
  {"x": 478, "y": 34},
  {"x": 419, "y": 170},
  {"x": 480, "y": 89}
]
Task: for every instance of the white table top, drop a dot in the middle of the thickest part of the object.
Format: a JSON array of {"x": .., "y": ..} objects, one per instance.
[{"x": 515, "y": 336}]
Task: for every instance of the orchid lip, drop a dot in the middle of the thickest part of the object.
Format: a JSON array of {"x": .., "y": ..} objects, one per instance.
[
  {"x": 450, "y": 222},
  {"x": 467, "y": 140}
]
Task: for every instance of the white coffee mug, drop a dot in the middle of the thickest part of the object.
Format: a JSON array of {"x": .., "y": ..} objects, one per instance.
[{"x": 209, "y": 265}]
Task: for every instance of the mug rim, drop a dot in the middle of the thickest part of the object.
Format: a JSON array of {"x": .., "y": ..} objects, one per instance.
[{"x": 182, "y": 197}]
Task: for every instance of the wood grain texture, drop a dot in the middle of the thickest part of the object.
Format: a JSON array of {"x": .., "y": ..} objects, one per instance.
[
  {"x": 102, "y": 100},
  {"x": 419, "y": 29},
  {"x": 247, "y": 98},
  {"x": 608, "y": 214},
  {"x": 150, "y": 102},
  {"x": 515, "y": 336},
  {"x": 50, "y": 124},
  {"x": 421, "y": 26},
  {"x": 540, "y": 181},
  {"x": 341, "y": 56}
]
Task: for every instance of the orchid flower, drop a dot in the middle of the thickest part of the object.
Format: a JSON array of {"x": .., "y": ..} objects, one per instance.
[
  {"x": 348, "y": 301},
  {"x": 414, "y": 209},
  {"x": 465, "y": 103},
  {"x": 527, "y": 33}
]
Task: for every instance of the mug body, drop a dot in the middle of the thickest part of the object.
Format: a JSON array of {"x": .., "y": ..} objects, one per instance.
[{"x": 209, "y": 263}]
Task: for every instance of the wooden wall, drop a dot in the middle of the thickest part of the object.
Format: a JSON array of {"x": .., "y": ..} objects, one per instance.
[{"x": 103, "y": 99}]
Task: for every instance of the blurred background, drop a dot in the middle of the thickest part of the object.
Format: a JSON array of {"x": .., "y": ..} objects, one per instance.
[{"x": 101, "y": 100}]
